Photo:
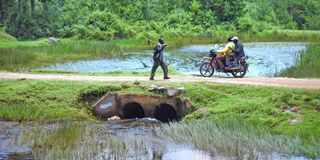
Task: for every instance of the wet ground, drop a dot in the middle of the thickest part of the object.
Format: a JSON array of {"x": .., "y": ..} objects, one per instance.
[
  {"x": 136, "y": 131},
  {"x": 266, "y": 59},
  {"x": 139, "y": 134}
]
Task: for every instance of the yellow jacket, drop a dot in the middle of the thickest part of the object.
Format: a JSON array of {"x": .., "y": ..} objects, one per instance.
[{"x": 226, "y": 49}]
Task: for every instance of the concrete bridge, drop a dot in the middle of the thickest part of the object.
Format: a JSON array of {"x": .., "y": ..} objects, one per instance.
[{"x": 128, "y": 106}]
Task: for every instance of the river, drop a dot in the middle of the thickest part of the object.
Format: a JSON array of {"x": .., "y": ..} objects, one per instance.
[{"x": 266, "y": 59}]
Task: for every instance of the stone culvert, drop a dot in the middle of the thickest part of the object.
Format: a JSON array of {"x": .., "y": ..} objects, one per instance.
[{"x": 128, "y": 106}]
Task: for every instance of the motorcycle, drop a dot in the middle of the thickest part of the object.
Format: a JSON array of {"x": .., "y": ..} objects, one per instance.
[{"x": 211, "y": 65}]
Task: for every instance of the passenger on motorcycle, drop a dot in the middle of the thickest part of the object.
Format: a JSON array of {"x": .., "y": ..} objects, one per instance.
[
  {"x": 225, "y": 53},
  {"x": 237, "y": 50}
]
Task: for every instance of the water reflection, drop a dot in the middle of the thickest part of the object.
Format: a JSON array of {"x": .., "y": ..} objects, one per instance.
[
  {"x": 117, "y": 140},
  {"x": 266, "y": 59}
]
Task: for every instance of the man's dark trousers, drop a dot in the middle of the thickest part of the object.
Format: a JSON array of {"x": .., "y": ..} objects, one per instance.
[{"x": 155, "y": 66}]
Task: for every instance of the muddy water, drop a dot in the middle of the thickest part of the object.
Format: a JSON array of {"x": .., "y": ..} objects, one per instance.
[
  {"x": 266, "y": 59},
  {"x": 138, "y": 131}
]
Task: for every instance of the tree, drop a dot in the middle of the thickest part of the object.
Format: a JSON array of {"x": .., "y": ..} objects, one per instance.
[{"x": 225, "y": 10}]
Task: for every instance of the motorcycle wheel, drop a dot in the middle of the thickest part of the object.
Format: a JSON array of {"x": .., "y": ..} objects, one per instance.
[
  {"x": 239, "y": 73},
  {"x": 206, "y": 69}
]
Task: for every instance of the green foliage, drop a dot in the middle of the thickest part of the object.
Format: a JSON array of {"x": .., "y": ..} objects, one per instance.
[
  {"x": 29, "y": 54},
  {"x": 152, "y": 18}
]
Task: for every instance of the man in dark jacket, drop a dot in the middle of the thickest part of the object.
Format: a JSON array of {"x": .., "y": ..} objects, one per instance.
[
  {"x": 158, "y": 60},
  {"x": 238, "y": 50}
]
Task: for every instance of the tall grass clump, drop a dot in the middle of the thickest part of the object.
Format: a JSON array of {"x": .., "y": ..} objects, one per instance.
[
  {"x": 19, "y": 57},
  {"x": 308, "y": 65},
  {"x": 75, "y": 140},
  {"x": 235, "y": 138}
]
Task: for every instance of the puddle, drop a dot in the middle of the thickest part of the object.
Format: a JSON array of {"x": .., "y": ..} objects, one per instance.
[{"x": 266, "y": 59}]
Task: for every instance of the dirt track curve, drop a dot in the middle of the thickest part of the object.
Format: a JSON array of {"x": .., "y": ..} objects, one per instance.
[{"x": 255, "y": 81}]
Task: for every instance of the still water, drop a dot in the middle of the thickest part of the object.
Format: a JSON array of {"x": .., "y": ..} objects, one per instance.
[
  {"x": 265, "y": 58},
  {"x": 139, "y": 137},
  {"x": 133, "y": 139}
]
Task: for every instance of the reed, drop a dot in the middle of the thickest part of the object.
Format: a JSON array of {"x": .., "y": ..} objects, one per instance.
[
  {"x": 78, "y": 140},
  {"x": 308, "y": 65},
  {"x": 234, "y": 137}
]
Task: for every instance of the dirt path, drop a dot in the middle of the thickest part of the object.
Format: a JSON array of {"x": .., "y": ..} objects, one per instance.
[{"x": 255, "y": 81}]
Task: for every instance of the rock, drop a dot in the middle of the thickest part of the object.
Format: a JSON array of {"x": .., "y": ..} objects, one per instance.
[
  {"x": 294, "y": 121},
  {"x": 294, "y": 109},
  {"x": 114, "y": 118},
  {"x": 153, "y": 88},
  {"x": 161, "y": 89},
  {"x": 202, "y": 110},
  {"x": 53, "y": 40},
  {"x": 181, "y": 90},
  {"x": 171, "y": 92}
]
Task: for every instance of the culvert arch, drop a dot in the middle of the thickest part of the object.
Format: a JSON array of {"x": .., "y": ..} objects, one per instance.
[
  {"x": 165, "y": 113},
  {"x": 132, "y": 110}
]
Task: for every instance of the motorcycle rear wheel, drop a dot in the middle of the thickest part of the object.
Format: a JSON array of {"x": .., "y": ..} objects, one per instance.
[{"x": 239, "y": 73}]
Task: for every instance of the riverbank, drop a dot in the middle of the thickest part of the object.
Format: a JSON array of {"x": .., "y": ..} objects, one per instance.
[
  {"x": 24, "y": 100},
  {"x": 308, "y": 65},
  {"x": 15, "y": 55}
]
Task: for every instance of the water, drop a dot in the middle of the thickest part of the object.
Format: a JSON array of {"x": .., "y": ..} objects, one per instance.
[
  {"x": 133, "y": 132},
  {"x": 266, "y": 59},
  {"x": 139, "y": 136}
]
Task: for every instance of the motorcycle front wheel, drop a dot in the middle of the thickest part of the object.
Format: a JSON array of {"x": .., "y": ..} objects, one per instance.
[
  {"x": 206, "y": 69},
  {"x": 241, "y": 72}
]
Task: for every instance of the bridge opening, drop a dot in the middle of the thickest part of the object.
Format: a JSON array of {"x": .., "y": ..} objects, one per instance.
[
  {"x": 165, "y": 113},
  {"x": 133, "y": 110}
]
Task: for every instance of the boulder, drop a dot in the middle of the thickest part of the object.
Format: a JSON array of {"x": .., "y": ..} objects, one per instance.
[
  {"x": 161, "y": 89},
  {"x": 171, "y": 92},
  {"x": 53, "y": 40},
  {"x": 202, "y": 110},
  {"x": 294, "y": 121},
  {"x": 181, "y": 90},
  {"x": 114, "y": 118},
  {"x": 153, "y": 88}
]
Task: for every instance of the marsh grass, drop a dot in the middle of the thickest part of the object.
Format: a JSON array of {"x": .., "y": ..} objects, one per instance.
[
  {"x": 234, "y": 137},
  {"x": 68, "y": 50},
  {"x": 15, "y": 55},
  {"x": 308, "y": 65},
  {"x": 76, "y": 140}
]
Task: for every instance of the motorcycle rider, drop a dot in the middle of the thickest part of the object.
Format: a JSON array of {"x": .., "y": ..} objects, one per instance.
[
  {"x": 237, "y": 50},
  {"x": 158, "y": 60},
  {"x": 225, "y": 53}
]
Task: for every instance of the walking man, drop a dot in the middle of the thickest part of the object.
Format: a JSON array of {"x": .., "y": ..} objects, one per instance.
[{"x": 158, "y": 60}]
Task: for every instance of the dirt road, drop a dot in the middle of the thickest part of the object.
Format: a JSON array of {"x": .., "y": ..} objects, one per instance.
[{"x": 255, "y": 81}]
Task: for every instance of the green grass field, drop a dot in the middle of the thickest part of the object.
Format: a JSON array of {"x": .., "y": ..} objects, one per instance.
[
  {"x": 47, "y": 101},
  {"x": 259, "y": 105}
]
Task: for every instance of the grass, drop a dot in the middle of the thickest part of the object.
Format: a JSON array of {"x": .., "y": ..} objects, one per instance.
[
  {"x": 68, "y": 50},
  {"x": 15, "y": 55},
  {"x": 270, "y": 108},
  {"x": 159, "y": 72},
  {"x": 234, "y": 138},
  {"x": 308, "y": 66},
  {"x": 76, "y": 140}
]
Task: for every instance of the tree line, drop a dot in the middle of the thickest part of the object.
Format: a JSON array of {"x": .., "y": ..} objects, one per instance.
[{"x": 100, "y": 19}]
